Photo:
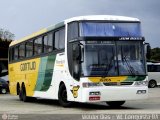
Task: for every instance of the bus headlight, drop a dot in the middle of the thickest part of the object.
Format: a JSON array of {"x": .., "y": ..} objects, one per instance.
[
  {"x": 143, "y": 83},
  {"x": 88, "y": 84}
]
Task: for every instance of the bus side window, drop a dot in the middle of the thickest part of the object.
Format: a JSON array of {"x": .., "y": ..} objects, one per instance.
[
  {"x": 48, "y": 42},
  {"x": 153, "y": 68},
  {"x": 73, "y": 30},
  {"x": 56, "y": 40},
  {"x": 29, "y": 48},
  {"x": 158, "y": 68},
  {"x": 59, "y": 39},
  {"x": 62, "y": 38},
  {"x": 38, "y": 46},
  {"x": 15, "y": 56},
  {"x": 149, "y": 68},
  {"x": 22, "y": 51}
]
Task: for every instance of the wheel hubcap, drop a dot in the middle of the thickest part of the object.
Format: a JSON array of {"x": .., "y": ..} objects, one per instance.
[{"x": 152, "y": 84}]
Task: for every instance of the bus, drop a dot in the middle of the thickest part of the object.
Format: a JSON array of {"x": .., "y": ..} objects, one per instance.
[
  {"x": 82, "y": 59},
  {"x": 153, "y": 74}
]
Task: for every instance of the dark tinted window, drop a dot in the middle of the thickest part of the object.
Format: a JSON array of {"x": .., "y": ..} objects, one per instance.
[
  {"x": 48, "y": 42},
  {"x": 56, "y": 40},
  {"x": 21, "y": 51},
  {"x": 38, "y": 46},
  {"x": 29, "y": 48},
  {"x": 15, "y": 57},
  {"x": 59, "y": 39},
  {"x": 158, "y": 68},
  {"x": 72, "y": 30},
  {"x": 149, "y": 68},
  {"x": 153, "y": 68}
]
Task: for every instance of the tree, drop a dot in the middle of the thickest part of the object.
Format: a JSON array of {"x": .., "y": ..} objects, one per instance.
[
  {"x": 155, "y": 54},
  {"x": 5, "y": 39},
  {"x": 6, "y": 35}
]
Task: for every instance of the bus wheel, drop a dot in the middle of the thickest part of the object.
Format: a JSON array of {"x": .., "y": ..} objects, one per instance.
[
  {"x": 62, "y": 96},
  {"x": 115, "y": 103},
  {"x": 20, "y": 95},
  {"x": 152, "y": 84},
  {"x": 24, "y": 97}
]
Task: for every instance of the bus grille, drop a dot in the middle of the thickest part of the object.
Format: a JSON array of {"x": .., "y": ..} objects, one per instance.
[{"x": 117, "y": 83}]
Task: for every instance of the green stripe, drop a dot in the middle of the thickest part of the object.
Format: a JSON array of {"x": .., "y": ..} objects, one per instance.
[
  {"x": 45, "y": 73},
  {"x": 135, "y": 78}
]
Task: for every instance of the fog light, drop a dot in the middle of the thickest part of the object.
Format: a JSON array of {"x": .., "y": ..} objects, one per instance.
[
  {"x": 95, "y": 93},
  {"x": 141, "y": 91}
]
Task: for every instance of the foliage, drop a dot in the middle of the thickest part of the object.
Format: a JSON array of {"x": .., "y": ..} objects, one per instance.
[
  {"x": 6, "y": 35},
  {"x": 155, "y": 54}
]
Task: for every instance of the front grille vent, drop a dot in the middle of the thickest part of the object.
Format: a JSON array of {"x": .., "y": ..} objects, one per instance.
[{"x": 117, "y": 83}]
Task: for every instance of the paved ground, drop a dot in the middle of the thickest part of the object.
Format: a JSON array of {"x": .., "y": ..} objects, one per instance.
[{"x": 11, "y": 105}]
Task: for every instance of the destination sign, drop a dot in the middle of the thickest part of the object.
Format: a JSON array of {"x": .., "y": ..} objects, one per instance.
[{"x": 110, "y": 40}]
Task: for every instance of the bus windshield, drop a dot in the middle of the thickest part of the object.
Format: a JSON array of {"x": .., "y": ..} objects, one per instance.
[
  {"x": 111, "y": 29},
  {"x": 113, "y": 58}
]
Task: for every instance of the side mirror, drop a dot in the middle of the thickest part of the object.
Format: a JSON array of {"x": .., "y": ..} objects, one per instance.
[
  {"x": 81, "y": 53},
  {"x": 77, "y": 56},
  {"x": 148, "y": 51}
]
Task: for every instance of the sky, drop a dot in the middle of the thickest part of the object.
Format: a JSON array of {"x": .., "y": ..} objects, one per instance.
[{"x": 23, "y": 17}]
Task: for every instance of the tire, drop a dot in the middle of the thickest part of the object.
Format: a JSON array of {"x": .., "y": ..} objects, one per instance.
[
  {"x": 20, "y": 95},
  {"x": 62, "y": 96},
  {"x": 24, "y": 97},
  {"x": 115, "y": 103},
  {"x": 3, "y": 91},
  {"x": 152, "y": 84}
]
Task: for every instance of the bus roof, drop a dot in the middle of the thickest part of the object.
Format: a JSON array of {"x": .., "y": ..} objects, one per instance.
[
  {"x": 79, "y": 18},
  {"x": 42, "y": 31},
  {"x": 102, "y": 17}
]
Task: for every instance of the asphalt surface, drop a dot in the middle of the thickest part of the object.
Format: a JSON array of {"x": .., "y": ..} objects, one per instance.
[{"x": 47, "y": 109}]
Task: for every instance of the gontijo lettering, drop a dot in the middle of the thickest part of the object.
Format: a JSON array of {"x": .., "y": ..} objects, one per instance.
[{"x": 28, "y": 66}]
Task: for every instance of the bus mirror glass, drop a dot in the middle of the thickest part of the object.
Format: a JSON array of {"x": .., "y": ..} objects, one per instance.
[
  {"x": 81, "y": 53},
  {"x": 148, "y": 51}
]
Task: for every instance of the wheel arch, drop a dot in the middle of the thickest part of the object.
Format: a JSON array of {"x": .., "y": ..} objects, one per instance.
[{"x": 153, "y": 80}]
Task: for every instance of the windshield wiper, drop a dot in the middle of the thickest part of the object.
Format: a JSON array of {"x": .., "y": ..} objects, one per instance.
[
  {"x": 108, "y": 68},
  {"x": 130, "y": 68}
]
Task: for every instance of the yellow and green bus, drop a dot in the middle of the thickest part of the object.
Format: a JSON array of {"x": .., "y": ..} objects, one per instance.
[{"x": 82, "y": 59}]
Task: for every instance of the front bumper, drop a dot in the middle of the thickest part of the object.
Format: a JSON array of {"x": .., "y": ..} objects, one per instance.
[{"x": 114, "y": 93}]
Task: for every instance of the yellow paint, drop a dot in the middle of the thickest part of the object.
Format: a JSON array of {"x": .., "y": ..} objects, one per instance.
[
  {"x": 17, "y": 74},
  {"x": 75, "y": 91},
  {"x": 108, "y": 79},
  {"x": 29, "y": 36},
  {"x": 60, "y": 65}
]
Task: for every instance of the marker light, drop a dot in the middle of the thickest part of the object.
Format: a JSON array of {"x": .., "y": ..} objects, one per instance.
[{"x": 141, "y": 83}]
